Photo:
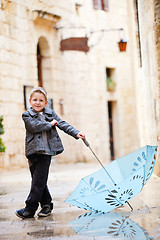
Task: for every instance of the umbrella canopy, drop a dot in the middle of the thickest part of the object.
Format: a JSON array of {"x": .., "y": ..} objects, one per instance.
[
  {"x": 115, "y": 184},
  {"x": 109, "y": 224}
]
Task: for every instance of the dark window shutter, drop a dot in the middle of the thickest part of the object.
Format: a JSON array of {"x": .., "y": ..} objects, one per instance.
[
  {"x": 105, "y": 5},
  {"x": 97, "y": 4}
]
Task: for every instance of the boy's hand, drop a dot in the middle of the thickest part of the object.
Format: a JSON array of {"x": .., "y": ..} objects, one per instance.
[
  {"x": 81, "y": 135},
  {"x": 54, "y": 122}
]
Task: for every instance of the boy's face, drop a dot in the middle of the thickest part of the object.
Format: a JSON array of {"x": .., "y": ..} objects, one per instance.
[{"x": 38, "y": 102}]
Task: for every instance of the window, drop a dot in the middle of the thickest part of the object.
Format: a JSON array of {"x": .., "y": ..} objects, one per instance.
[
  {"x": 138, "y": 37},
  {"x": 26, "y": 94},
  {"x": 110, "y": 75},
  {"x": 101, "y": 5},
  {"x": 77, "y": 6},
  {"x": 110, "y": 116}
]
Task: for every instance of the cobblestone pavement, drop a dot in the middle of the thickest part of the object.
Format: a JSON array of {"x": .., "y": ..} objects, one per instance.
[{"x": 144, "y": 221}]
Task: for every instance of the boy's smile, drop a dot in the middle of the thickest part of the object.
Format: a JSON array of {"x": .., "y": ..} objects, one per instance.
[{"x": 38, "y": 102}]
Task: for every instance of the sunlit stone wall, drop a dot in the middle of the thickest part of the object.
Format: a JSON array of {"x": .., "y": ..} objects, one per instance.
[{"x": 75, "y": 80}]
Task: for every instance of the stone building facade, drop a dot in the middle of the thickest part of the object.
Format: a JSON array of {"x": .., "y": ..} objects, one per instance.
[
  {"x": 147, "y": 74},
  {"x": 116, "y": 121},
  {"x": 157, "y": 43}
]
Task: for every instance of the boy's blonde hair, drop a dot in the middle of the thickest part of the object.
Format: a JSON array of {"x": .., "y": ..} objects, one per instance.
[{"x": 39, "y": 90}]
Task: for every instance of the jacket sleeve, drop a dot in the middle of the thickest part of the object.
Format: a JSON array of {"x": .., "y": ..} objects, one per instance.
[
  {"x": 66, "y": 127},
  {"x": 32, "y": 124}
]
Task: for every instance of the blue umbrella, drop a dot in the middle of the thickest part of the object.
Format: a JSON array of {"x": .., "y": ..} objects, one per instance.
[
  {"x": 115, "y": 184},
  {"x": 112, "y": 225}
]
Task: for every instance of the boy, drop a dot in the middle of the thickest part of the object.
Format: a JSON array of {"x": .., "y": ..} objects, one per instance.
[{"x": 41, "y": 143}]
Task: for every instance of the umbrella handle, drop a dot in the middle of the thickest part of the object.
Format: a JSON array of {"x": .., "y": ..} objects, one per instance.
[
  {"x": 86, "y": 142},
  {"x": 88, "y": 145}
]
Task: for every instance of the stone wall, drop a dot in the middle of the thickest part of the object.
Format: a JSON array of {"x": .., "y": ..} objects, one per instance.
[
  {"x": 12, "y": 72},
  {"x": 77, "y": 78},
  {"x": 147, "y": 83},
  {"x": 157, "y": 44}
]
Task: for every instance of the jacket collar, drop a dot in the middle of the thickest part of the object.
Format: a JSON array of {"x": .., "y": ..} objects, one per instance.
[{"x": 47, "y": 111}]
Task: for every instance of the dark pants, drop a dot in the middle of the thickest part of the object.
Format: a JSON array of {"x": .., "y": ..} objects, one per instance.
[{"x": 39, "y": 193}]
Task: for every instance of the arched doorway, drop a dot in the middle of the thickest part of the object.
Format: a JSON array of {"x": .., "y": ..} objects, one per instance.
[
  {"x": 44, "y": 66},
  {"x": 39, "y": 66}
]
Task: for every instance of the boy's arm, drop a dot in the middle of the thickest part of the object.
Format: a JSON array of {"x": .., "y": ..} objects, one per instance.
[
  {"x": 66, "y": 127},
  {"x": 33, "y": 125}
]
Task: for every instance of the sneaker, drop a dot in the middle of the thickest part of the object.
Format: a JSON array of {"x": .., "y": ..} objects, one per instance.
[
  {"x": 23, "y": 213},
  {"x": 45, "y": 211}
]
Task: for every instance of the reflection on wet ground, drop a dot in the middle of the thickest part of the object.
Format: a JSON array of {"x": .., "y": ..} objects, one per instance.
[
  {"x": 110, "y": 224},
  {"x": 71, "y": 225},
  {"x": 68, "y": 222}
]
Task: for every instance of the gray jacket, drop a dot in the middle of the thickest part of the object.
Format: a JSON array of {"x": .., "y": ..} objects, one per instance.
[{"x": 35, "y": 126}]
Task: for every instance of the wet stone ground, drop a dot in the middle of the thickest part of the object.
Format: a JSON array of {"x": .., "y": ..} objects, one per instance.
[{"x": 69, "y": 222}]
